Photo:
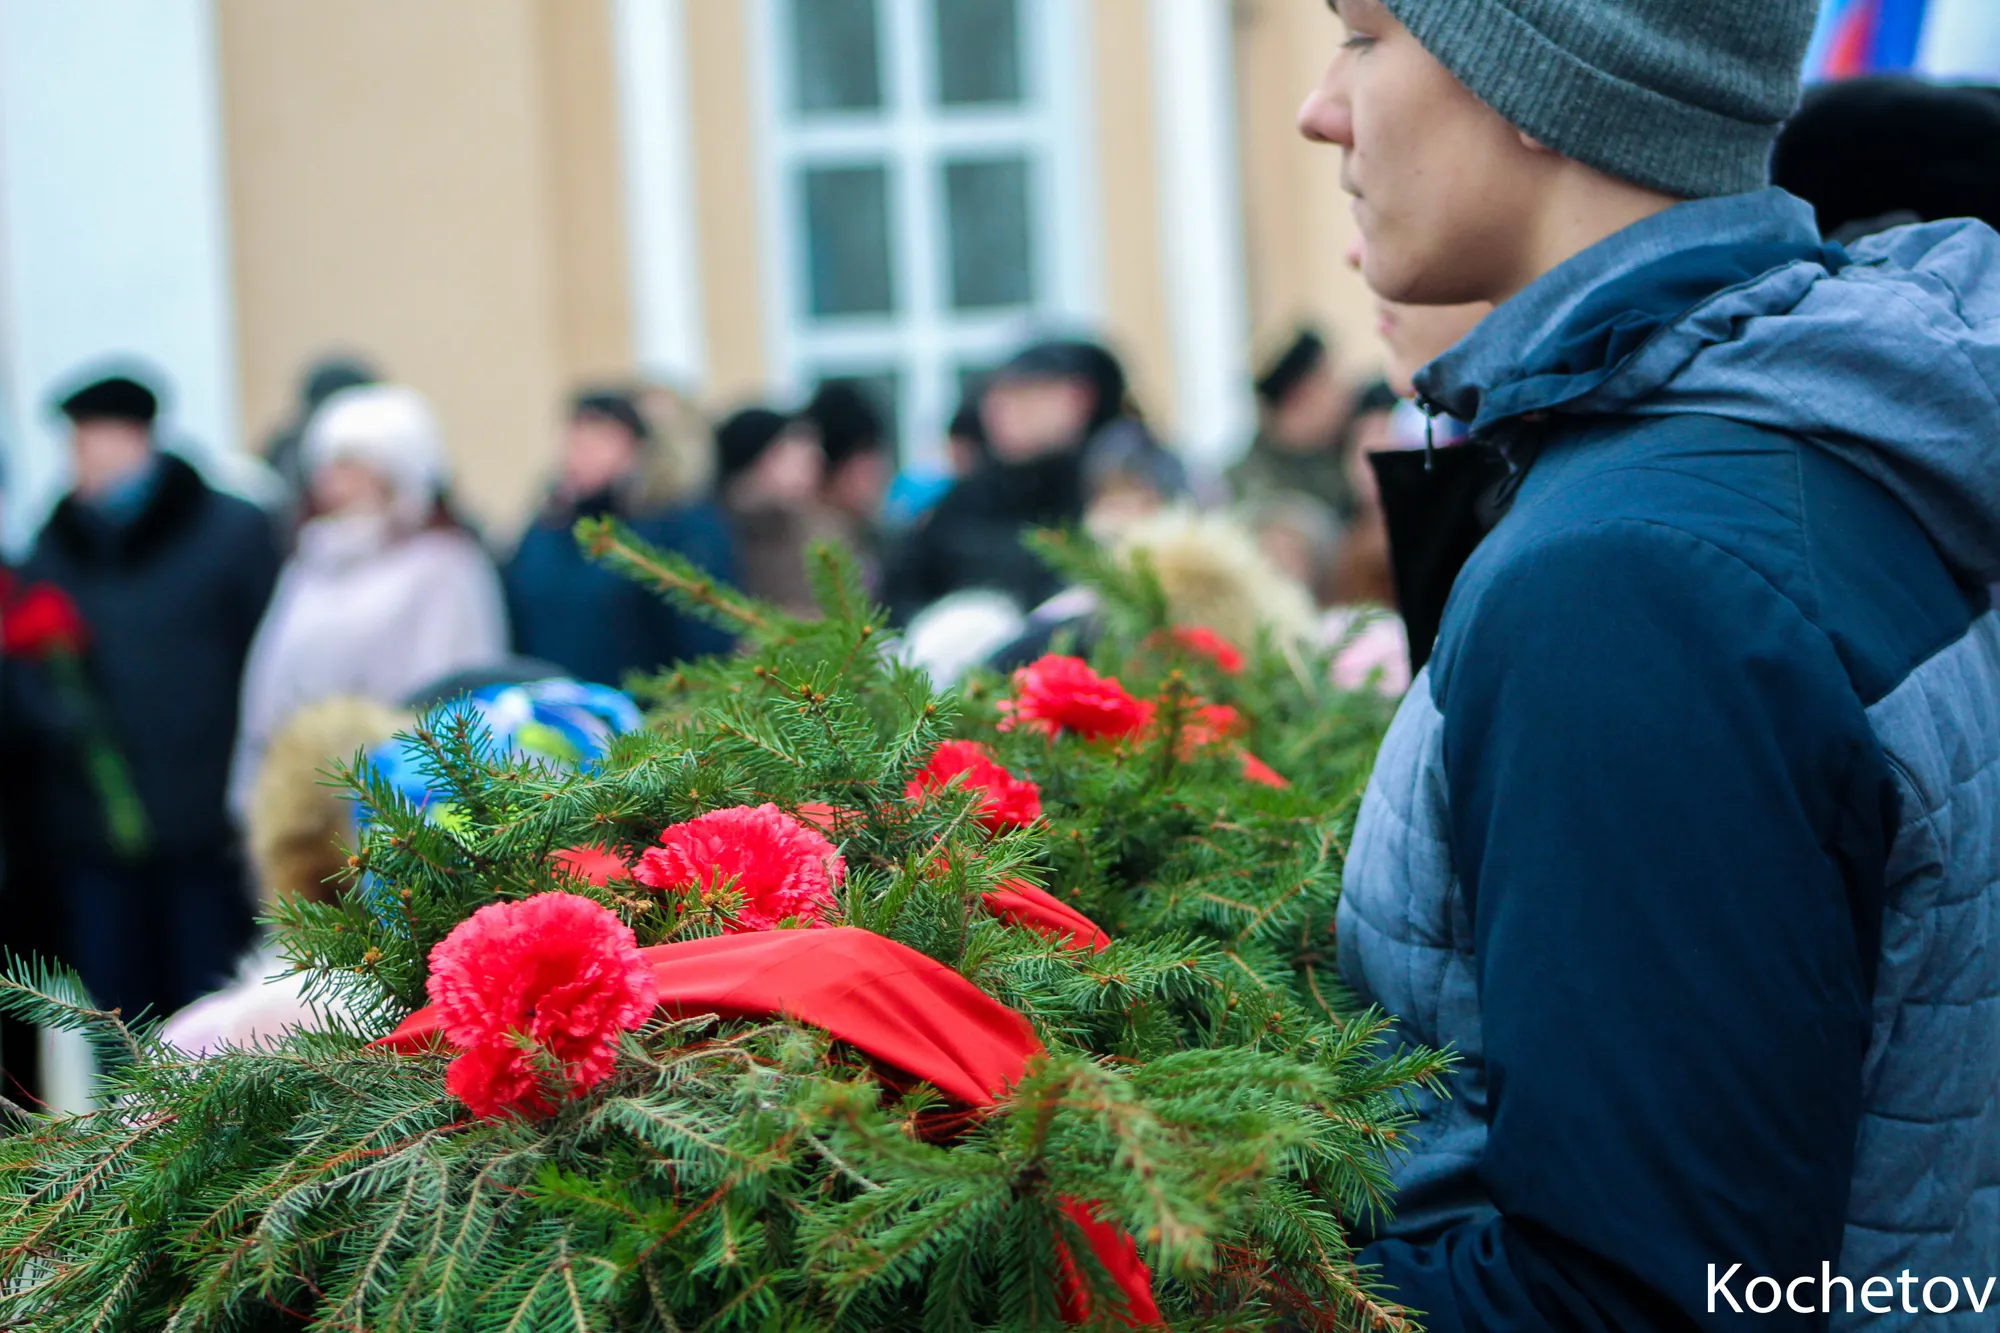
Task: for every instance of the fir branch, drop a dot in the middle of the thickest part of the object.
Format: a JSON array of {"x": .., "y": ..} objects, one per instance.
[{"x": 613, "y": 545}]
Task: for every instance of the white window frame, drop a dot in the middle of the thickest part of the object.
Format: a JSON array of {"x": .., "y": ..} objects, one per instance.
[{"x": 1054, "y": 130}]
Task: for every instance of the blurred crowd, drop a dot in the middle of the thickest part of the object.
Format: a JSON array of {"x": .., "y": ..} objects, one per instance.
[{"x": 206, "y": 626}]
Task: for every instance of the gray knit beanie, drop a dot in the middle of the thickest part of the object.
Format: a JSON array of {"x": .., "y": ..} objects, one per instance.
[{"x": 1682, "y": 96}]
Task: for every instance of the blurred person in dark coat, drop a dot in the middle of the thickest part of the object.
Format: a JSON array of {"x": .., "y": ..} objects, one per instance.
[
  {"x": 595, "y": 623},
  {"x": 171, "y": 577},
  {"x": 26, "y": 918},
  {"x": 1304, "y": 410},
  {"x": 769, "y": 469},
  {"x": 1039, "y": 412},
  {"x": 859, "y": 467}
]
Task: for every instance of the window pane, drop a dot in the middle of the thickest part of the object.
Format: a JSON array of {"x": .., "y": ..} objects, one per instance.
[
  {"x": 986, "y": 206},
  {"x": 834, "y": 55},
  {"x": 847, "y": 241},
  {"x": 979, "y": 51}
]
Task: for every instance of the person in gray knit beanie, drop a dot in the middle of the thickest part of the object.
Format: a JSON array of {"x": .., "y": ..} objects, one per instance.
[
  {"x": 1686, "y": 835},
  {"x": 1680, "y": 96},
  {"x": 1561, "y": 121}
]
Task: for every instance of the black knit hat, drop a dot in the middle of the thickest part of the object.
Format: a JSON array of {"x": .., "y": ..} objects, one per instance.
[
  {"x": 611, "y": 405},
  {"x": 329, "y": 375},
  {"x": 743, "y": 437},
  {"x": 1868, "y": 148},
  {"x": 114, "y": 398},
  {"x": 1303, "y": 355},
  {"x": 847, "y": 420}
]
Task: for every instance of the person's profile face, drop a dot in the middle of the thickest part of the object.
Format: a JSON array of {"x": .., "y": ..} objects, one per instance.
[
  {"x": 597, "y": 453},
  {"x": 105, "y": 452},
  {"x": 349, "y": 486},
  {"x": 1442, "y": 185},
  {"x": 1313, "y": 410},
  {"x": 859, "y": 485},
  {"x": 1030, "y": 418}
]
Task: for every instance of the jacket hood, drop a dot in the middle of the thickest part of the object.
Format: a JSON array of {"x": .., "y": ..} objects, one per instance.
[{"x": 1886, "y": 354}]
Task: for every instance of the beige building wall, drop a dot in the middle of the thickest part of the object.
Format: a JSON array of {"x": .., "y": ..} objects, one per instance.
[
  {"x": 1296, "y": 223},
  {"x": 433, "y": 183},
  {"x": 1128, "y": 202},
  {"x": 436, "y": 184},
  {"x": 722, "y": 106}
]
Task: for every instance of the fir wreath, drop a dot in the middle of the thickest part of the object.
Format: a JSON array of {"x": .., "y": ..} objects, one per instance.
[{"x": 1200, "y": 1085}]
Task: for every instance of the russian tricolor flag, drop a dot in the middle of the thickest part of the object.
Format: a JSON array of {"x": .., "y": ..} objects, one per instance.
[{"x": 1945, "y": 39}]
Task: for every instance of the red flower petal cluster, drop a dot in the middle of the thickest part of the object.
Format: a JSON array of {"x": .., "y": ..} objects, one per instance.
[
  {"x": 1055, "y": 694},
  {"x": 556, "y": 976},
  {"x": 1227, "y": 657},
  {"x": 1210, "y": 724},
  {"x": 782, "y": 868},
  {"x": 41, "y": 621},
  {"x": 1010, "y": 802}
]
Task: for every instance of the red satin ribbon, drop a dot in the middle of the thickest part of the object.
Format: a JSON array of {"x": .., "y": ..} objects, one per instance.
[
  {"x": 906, "y": 1010},
  {"x": 1023, "y": 904}
]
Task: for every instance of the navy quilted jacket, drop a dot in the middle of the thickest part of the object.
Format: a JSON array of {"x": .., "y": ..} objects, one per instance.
[{"x": 1688, "y": 837}]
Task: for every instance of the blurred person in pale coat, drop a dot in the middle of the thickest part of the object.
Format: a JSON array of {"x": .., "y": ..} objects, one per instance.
[{"x": 386, "y": 590}]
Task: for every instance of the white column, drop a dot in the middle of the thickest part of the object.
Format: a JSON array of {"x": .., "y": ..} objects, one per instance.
[
  {"x": 114, "y": 235},
  {"x": 1961, "y": 40},
  {"x": 1194, "y": 110},
  {"x": 656, "y": 140}
]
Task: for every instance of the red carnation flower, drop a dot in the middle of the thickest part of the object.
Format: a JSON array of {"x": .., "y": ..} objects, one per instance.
[
  {"x": 1063, "y": 694},
  {"x": 1256, "y": 770},
  {"x": 41, "y": 621},
  {"x": 782, "y": 868},
  {"x": 1227, "y": 657},
  {"x": 1010, "y": 802},
  {"x": 519, "y": 985}
]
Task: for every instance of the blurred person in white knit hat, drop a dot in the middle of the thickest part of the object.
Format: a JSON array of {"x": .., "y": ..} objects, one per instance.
[{"x": 386, "y": 591}]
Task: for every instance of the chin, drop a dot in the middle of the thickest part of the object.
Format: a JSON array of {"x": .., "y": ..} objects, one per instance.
[{"x": 1388, "y": 279}]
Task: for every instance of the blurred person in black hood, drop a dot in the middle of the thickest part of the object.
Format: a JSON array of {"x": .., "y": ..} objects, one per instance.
[
  {"x": 1039, "y": 411},
  {"x": 1871, "y": 154}
]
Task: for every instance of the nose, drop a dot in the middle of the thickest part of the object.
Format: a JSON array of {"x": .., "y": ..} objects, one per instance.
[{"x": 1326, "y": 117}]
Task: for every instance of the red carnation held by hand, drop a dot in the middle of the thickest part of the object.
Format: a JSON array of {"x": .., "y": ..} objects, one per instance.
[
  {"x": 1227, "y": 657},
  {"x": 1010, "y": 802},
  {"x": 1057, "y": 694},
  {"x": 520, "y": 986},
  {"x": 41, "y": 621},
  {"x": 782, "y": 868}
]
